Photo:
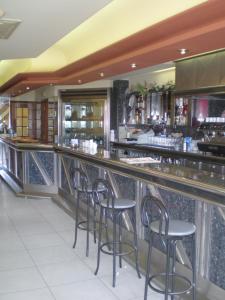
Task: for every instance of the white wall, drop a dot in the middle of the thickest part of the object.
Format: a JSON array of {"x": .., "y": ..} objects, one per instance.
[{"x": 29, "y": 96}]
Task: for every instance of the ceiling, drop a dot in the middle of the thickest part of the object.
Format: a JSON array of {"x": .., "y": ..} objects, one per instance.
[
  {"x": 43, "y": 22},
  {"x": 111, "y": 47}
]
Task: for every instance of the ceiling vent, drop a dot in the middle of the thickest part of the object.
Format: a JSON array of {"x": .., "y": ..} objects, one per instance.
[{"x": 7, "y": 26}]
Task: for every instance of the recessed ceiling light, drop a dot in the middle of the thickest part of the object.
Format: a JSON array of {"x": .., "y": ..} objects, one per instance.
[
  {"x": 101, "y": 74},
  {"x": 183, "y": 51},
  {"x": 79, "y": 81},
  {"x": 27, "y": 87},
  {"x": 133, "y": 65}
]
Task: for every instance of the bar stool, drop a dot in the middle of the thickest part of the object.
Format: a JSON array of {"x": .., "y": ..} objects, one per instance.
[
  {"x": 155, "y": 218},
  {"x": 84, "y": 194},
  {"x": 113, "y": 208}
]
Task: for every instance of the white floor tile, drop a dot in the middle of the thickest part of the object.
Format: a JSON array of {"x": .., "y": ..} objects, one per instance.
[
  {"x": 66, "y": 272},
  {"x": 42, "y": 240},
  {"x": 33, "y": 218},
  {"x": 80, "y": 248},
  {"x": 40, "y": 294},
  {"x": 36, "y": 254},
  {"x": 151, "y": 296},
  {"x": 11, "y": 243},
  {"x": 51, "y": 255},
  {"x": 8, "y": 234},
  {"x": 106, "y": 264},
  {"x": 128, "y": 285},
  {"x": 6, "y": 225},
  {"x": 61, "y": 223},
  {"x": 68, "y": 237},
  {"x": 15, "y": 260},
  {"x": 91, "y": 289},
  {"x": 20, "y": 280},
  {"x": 20, "y": 211},
  {"x": 34, "y": 228}
]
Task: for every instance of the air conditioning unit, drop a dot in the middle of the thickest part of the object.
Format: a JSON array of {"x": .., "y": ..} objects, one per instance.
[{"x": 7, "y": 27}]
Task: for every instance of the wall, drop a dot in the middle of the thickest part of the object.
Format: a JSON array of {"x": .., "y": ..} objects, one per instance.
[
  {"x": 160, "y": 77},
  {"x": 50, "y": 92}
]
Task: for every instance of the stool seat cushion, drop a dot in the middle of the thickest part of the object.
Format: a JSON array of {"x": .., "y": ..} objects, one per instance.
[
  {"x": 176, "y": 228},
  {"x": 120, "y": 203}
]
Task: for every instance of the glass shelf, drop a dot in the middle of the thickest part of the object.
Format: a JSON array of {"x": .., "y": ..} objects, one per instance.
[{"x": 84, "y": 117}]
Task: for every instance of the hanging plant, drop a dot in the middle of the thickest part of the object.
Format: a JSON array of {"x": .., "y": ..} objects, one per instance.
[
  {"x": 154, "y": 87},
  {"x": 141, "y": 89}
]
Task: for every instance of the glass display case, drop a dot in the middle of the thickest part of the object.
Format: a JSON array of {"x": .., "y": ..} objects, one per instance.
[
  {"x": 83, "y": 118},
  {"x": 194, "y": 110}
]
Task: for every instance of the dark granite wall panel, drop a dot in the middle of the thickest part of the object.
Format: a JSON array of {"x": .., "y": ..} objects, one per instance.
[
  {"x": 117, "y": 103},
  {"x": 64, "y": 183},
  {"x": 92, "y": 172},
  {"x": 179, "y": 206},
  {"x": 126, "y": 186},
  {"x": 35, "y": 176},
  {"x": 217, "y": 251},
  {"x": 47, "y": 159},
  {"x": 19, "y": 165}
]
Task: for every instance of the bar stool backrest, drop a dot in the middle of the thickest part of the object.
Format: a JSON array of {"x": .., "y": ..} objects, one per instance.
[
  {"x": 79, "y": 180},
  {"x": 107, "y": 194},
  {"x": 153, "y": 209}
]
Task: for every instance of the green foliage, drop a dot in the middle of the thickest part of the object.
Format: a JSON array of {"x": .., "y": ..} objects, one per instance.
[{"x": 144, "y": 89}]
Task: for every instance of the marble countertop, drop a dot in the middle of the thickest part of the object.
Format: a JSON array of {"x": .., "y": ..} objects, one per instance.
[
  {"x": 173, "y": 153},
  {"x": 201, "y": 181},
  {"x": 26, "y": 145}
]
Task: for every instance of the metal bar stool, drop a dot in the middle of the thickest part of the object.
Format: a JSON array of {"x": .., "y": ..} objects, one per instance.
[
  {"x": 84, "y": 194},
  {"x": 155, "y": 218},
  {"x": 113, "y": 208}
]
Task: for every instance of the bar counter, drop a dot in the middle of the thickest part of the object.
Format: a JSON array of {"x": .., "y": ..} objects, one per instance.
[
  {"x": 171, "y": 152},
  {"x": 193, "y": 190},
  {"x": 204, "y": 181},
  {"x": 28, "y": 167},
  {"x": 191, "y": 193}
]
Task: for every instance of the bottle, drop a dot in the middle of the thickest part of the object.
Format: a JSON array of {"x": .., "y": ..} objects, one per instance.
[{"x": 184, "y": 144}]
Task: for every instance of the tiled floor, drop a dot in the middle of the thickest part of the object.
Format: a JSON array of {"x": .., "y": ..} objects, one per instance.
[{"x": 37, "y": 261}]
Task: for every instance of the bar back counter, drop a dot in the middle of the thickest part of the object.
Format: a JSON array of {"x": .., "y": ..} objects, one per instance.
[{"x": 191, "y": 185}]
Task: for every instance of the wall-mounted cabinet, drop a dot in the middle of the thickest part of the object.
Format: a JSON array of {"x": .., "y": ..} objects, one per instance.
[
  {"x": 84, "y": 118},
  {"x": 83, "y": 115},
  {"x": 153, "y": 108},
  {"x": 193, "y": 110}
]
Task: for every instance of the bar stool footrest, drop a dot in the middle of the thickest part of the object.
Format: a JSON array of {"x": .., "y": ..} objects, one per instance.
[
  {"x": 79, "y": 225},
  {"x": 109, "y": 245},
  {"x": 176, "y": 275}
]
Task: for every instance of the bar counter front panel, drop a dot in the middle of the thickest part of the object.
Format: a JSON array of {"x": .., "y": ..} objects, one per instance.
[
  {"x": 32, "y": 166},
  {"x": 187, "y": 196}
]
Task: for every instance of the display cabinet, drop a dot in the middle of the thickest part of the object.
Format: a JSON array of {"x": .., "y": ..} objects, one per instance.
[{"x": 83, "y": 118}]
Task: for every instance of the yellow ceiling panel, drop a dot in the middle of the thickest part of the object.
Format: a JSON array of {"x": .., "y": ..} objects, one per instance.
[{"x": 119, "y": 19}]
